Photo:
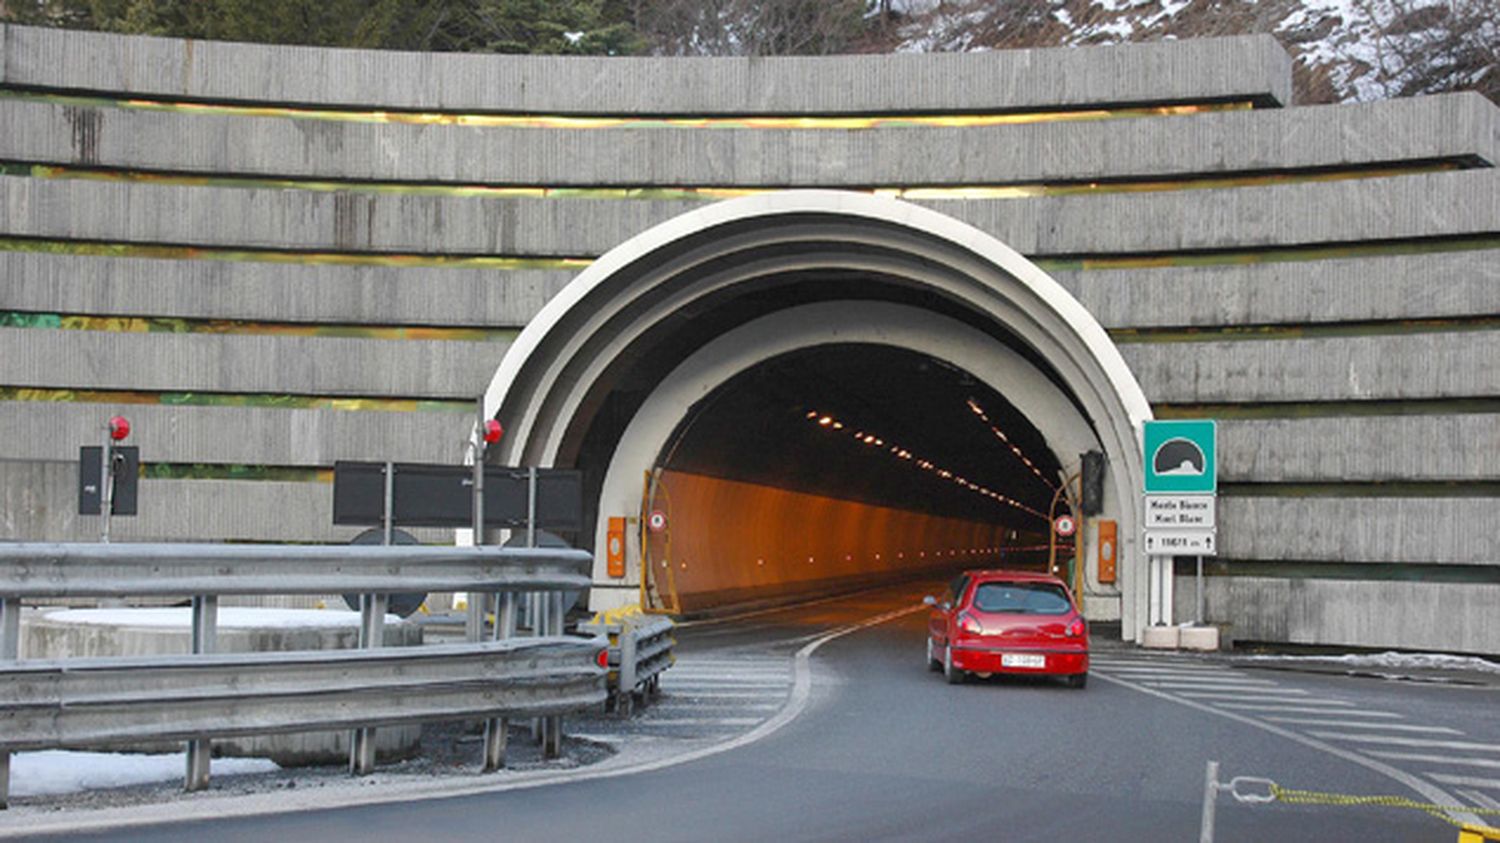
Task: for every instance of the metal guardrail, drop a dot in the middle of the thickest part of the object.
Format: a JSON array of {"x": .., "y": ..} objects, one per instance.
[
  {"x": 201, "y": 696},
  {"x": 640, "y": 649},
  {"x": 88, "y": 702}
]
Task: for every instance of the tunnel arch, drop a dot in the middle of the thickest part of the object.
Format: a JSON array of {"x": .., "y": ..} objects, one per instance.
[{"x": 676, "y": 311}]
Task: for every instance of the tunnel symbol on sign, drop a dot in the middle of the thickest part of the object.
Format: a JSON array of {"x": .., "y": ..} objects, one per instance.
[{"x": 1178, "y": 457}]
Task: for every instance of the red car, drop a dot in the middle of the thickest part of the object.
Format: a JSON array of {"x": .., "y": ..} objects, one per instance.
[{"x": 1012, "y": 622}]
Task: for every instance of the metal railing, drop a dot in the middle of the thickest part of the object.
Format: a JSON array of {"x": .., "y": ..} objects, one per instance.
[
  {"x": 78, "y": 702},
  {"x": 640, "y": 648}
]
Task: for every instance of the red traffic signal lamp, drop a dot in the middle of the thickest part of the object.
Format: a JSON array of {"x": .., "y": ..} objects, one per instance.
[
  {"x": 119, "y": 428},
  {"x": 492, "y": 431}
]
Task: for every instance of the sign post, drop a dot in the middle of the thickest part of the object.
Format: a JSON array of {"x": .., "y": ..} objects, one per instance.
[{"x": 1181, "y": 484}]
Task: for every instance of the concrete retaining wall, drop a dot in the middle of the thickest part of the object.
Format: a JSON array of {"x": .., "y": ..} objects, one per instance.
[
  {"x": 1418, "y": 206},
  {"x": 51, "y": 636},
  {"x": 1362, "y": 400},
  {"x": 1382, "y": 134},
  {"x": 1399, "y": 615},
  {"x": 1203, "y": 70}
]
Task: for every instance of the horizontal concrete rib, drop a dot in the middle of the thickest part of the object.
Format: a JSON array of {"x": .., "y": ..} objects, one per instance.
[
  {"x": 1442, "y": 204},
  {"x": 1454, "y": 531},
  {"x": 1438, "y": 365},
  {"x": 274, "y": 292},
  {"x": 1215, "y": 143},
  {"x": 1253, "y": 67},
  {"x": 237, "y": 435},
  {"x": 1409, "y": 615},
  {"x": 1430, "y": 286},
  {"x": 1360, "y": 449},
  {"x": 39, "y": 501},
  {"x": 267, "y": 364}
]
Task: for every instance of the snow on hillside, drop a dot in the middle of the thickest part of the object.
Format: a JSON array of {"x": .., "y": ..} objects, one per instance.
[{"x": 1345, "y": 50}]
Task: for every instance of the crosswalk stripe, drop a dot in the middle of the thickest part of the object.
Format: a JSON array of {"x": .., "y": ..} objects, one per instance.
[
  {"x": 1294, "y": 709},
  {"x": 1480, "y": 799},
  {"x": 1400, "y": 727},
  {"x": 700, "y": 721},
  {"x": 1437, "y": 759},
  {"x": 1163, "y": 665},
  {"x": 1466, "y": 781},
  {"x": 1240, "y": 695},
  {"x": 1395, "y": 741},
  {"x": 724, "y": 695},
  {"x": 703, "y": 708},
  {"x": 1195, "y": 675},
  {"x": 1212, "y": 686},
  {"x": 679, "y": 682}
]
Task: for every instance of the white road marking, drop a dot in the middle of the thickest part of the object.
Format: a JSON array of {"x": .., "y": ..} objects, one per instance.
[
  {"x": 722, "y": 685},
  {"x": 1172, "y": 671},
  {"x": 1127, "y": 663},
  {"x": 1179, "y": 676},
  {"x": 1466, "y": 781},
  {"x": 1438, "y": 759},
  {"x": 700, "y": 721},
  {"x": 1296, "y": 709},
  {"x": 1429, "y": 791},
  {"x": 1480, "y": 799},
  {"x": 1400, "y": 727},
  {"x": 723, "y": 695},
  {"x": 1217, "y": 686},
  {"x": 1418, "y": 742},
  {"x": 1242, "y": 695}
]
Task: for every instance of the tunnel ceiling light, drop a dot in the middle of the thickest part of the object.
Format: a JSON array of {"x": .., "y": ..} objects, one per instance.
[
  {"x": 1014, "y": 449},
  {"x": 827, "y": 421}
]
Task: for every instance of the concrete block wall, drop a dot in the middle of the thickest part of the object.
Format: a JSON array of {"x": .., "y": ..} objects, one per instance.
[{"x": 1322, "y": 279}]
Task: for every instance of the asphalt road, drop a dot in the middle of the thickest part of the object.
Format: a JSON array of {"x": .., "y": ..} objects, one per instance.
[{"x": 885, "y": 750}]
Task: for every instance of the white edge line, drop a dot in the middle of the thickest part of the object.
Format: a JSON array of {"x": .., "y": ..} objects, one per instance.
[
  {"x": 269, "y": 804},
  {"x": 1431, "y": 792}
]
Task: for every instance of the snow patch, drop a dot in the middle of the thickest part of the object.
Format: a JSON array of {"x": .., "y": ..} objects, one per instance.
[
  {"x": 57, "y": 771},
  {"x": 229, "y": 618},
  {"x": 1394, "y": 661}
]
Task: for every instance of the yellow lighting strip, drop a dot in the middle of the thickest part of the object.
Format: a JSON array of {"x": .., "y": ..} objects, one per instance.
[
  {"x": 584, "y": 122},
  {"x": 683, "y": 193},
  {"x": 869, "y": 439},
  {"x": 1014, "y": 449}
]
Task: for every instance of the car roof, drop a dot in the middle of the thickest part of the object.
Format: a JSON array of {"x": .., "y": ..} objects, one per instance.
[{"x": 1007, "y": 575}]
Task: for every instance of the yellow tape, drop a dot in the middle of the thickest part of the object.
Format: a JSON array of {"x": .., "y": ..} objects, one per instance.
[{"x": 1442, "y": 812}]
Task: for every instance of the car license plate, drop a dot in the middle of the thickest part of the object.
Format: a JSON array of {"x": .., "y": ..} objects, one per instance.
[{"x": 1022, "y": 660}]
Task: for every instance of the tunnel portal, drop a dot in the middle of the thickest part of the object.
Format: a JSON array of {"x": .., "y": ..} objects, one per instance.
[{"x": 820, "y": 391}]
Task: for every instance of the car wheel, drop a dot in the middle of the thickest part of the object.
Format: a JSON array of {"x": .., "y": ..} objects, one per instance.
[
  {"x": 932, "y": 661},
  {"x": 1078, "y": 680},
  {"x": 951, "y": 673}
]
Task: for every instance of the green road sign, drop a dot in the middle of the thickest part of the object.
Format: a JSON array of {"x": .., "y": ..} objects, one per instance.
[{"x": 1181, "y": 456}]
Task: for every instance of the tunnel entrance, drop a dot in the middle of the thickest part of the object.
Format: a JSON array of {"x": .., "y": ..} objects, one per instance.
[
  {"x": 844, "y": 466},
  {"x": 726, "y": 359}
]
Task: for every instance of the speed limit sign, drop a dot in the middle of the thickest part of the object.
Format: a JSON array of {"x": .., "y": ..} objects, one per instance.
[
  {"x": 1065, "y": 525},
  {"x": 657, "y": 522}
]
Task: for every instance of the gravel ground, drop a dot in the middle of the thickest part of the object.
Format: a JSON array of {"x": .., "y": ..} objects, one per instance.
[{"x": 447, "y": 750}]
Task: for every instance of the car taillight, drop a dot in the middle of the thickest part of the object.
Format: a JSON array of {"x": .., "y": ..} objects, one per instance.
[
  {"x": 968, "y": 623},
  {"x": 602, "y": 659},
  {"x": 1077, "y": 628}
]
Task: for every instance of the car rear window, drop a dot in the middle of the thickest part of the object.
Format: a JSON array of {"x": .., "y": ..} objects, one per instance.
[{"x": 1028, "y": 598}]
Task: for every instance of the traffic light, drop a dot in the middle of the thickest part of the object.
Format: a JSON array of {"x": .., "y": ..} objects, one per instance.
[{"x": 1093, "y": 483}]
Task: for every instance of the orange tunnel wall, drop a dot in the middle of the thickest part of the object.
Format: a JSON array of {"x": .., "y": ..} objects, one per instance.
[{"x": 732, "y": 542}]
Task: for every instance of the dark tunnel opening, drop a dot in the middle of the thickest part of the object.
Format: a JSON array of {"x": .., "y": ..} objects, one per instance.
[{"x": 841, "y": 466}]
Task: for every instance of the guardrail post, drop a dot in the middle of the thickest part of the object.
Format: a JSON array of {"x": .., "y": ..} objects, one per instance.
[
  {"x": 371, "y": 632},
  {"x": 497, "y": 730},
  {"x": 625, "y": 704},
  {"x": 552, "y": 746},
  {"x": 10, "y": 650},
  {"x": 205, "y": 640}
]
